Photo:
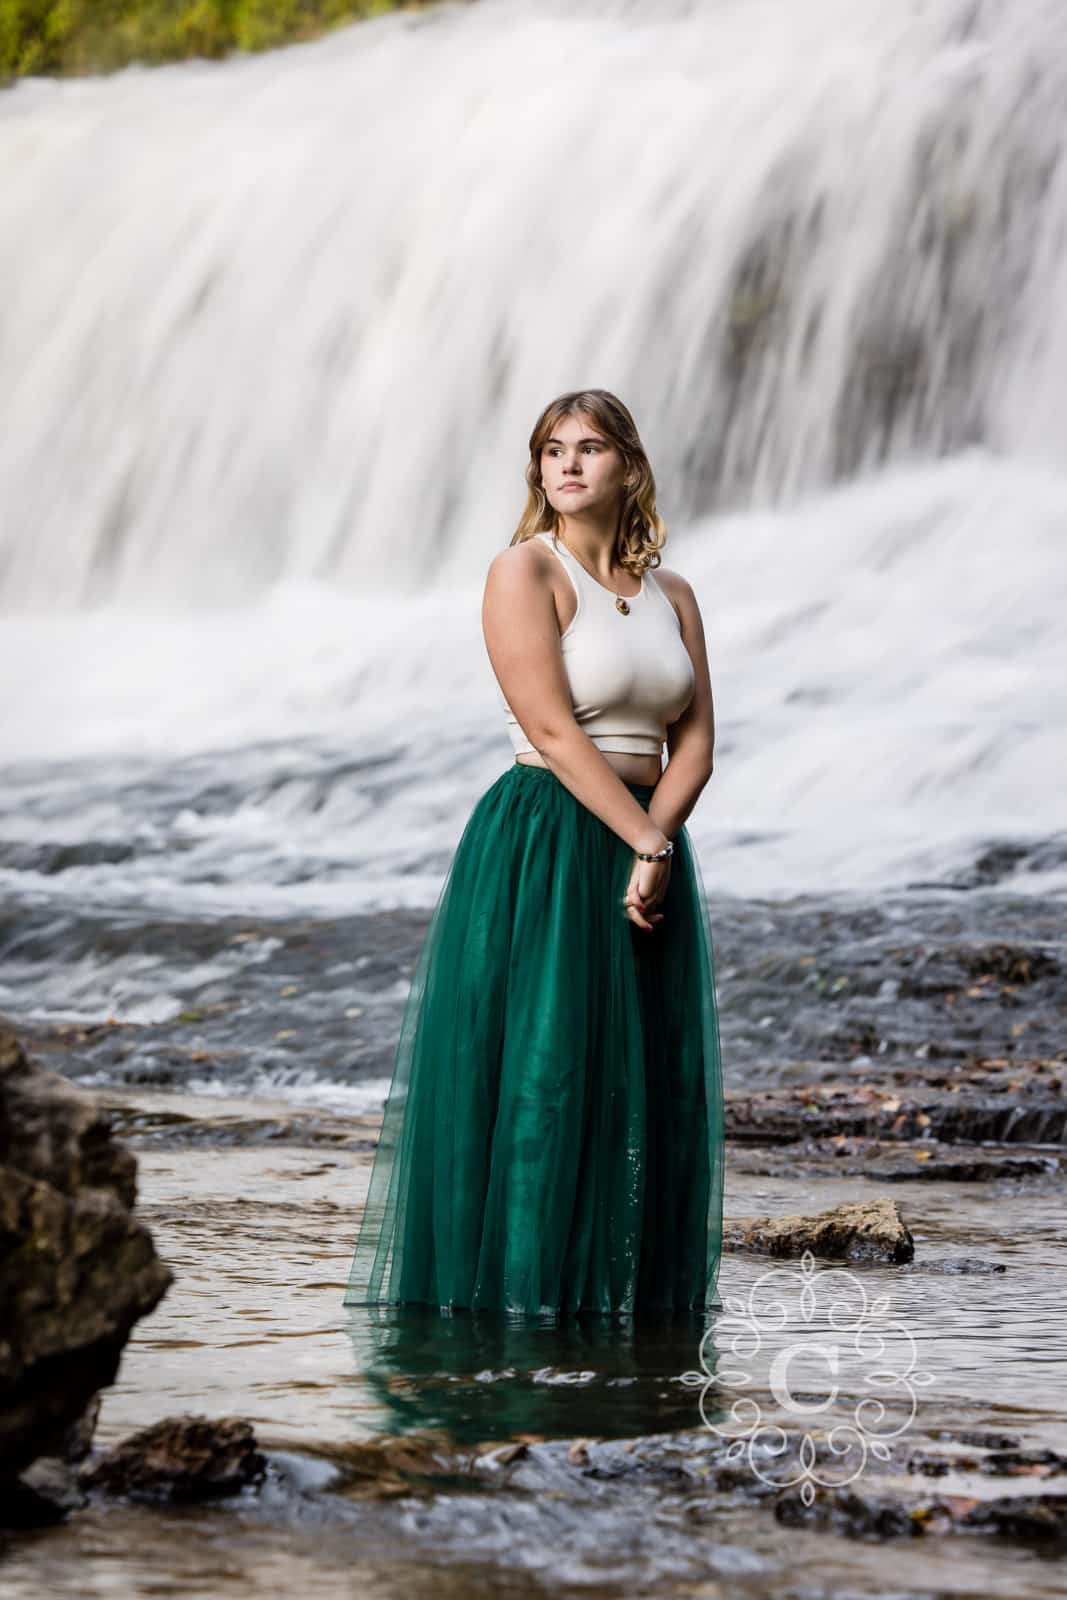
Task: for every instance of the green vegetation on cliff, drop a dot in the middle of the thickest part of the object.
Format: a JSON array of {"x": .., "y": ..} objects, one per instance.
[{"x": 76, "y": 36}]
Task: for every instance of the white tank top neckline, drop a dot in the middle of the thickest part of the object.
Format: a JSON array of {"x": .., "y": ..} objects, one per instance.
[
  {"x": 629, "y": 673},
  {"x": 558, "y": 547}
]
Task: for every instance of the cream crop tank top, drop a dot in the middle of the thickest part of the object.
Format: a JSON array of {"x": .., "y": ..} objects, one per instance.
[{"x": 631, "y": 675}]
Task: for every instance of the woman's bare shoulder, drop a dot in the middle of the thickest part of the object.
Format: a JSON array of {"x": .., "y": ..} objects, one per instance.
[
  {"x": 519, "y": 564},
  {"x": 679, "y": 592},
  {"x": 674, "y": 583}
]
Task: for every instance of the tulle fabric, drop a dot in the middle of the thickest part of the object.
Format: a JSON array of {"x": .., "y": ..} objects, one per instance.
[{"x": 553, "y": 1136}]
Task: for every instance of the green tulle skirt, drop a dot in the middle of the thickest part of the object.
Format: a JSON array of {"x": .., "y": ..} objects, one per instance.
[{"x": 553, "y": 1137}]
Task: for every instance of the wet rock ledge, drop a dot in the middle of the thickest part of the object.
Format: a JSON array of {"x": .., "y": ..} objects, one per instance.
[{"x": 77, "y": 1269}]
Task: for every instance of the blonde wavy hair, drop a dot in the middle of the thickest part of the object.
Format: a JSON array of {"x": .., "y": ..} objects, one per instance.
[{"x": 642, "y": 532}]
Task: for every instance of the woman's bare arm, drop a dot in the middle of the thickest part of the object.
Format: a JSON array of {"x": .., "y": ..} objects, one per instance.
[
  {"x": 691, "y": 739},
  {"x": 522, "y": 637}
]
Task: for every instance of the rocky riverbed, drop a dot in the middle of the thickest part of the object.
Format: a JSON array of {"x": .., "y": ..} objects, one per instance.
[
  {"x": 895, "y": 1237},
  {"x": 405, "y": 1449}
]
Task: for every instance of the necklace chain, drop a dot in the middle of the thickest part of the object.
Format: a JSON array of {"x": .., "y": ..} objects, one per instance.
[{"x": 622, "y": 605}]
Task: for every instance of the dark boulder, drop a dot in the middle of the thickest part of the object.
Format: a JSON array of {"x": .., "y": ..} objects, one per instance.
[{"x": 77, "y": 1268}]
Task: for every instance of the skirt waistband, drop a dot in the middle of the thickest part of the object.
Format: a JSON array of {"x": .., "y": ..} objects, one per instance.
[{"x": 644, "y": 789}]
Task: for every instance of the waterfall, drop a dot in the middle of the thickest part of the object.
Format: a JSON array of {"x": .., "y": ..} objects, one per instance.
[
  {"x": 291, "y": 316},
  {"x": 273, "y": 335}
]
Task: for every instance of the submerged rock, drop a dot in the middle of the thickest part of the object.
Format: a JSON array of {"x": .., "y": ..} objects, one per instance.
[
  {"x": 1004, "y": 1102},
  {"x": 894, "y": 1161},
  {"x": 183, "y": 1458},
  {"x": 77, "y": 1269},
  {"x": 864, "y": 1513}
]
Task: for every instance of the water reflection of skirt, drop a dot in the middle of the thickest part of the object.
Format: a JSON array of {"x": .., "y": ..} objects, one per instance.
[{"x": 553, "y": 1135}]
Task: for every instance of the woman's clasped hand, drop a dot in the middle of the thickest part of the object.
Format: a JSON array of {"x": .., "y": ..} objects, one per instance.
[{"x": 646, "y": 892}]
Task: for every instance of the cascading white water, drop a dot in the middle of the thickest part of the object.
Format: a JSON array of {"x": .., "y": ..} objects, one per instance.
[
  {"x": 274, "y": 332},
  {"x": 293, "y": 315}
]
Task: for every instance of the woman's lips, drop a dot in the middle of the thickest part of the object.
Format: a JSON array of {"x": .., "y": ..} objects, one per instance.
[{"x": 568, "y": 486}]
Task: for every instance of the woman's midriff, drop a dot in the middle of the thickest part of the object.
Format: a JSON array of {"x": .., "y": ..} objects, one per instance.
[{"x": 631, "y": 768}]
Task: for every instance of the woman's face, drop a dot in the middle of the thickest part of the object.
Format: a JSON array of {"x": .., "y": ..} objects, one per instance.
[{"x": 581, "y": 470}]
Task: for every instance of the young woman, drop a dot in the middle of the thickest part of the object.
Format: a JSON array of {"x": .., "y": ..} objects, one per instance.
[{"x": 553, "y": 1136}]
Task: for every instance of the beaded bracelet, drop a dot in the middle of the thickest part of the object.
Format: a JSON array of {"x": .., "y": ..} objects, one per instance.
[{"x": 655, "y": 855}]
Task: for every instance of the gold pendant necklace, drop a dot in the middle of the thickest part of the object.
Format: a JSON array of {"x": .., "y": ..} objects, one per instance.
[{"x": 622, "y": 605}]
